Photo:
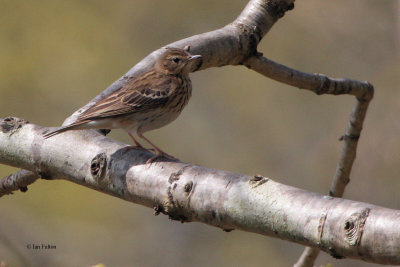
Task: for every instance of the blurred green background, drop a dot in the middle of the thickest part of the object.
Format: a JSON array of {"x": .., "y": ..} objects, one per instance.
[{"x": 57, "y": 55}]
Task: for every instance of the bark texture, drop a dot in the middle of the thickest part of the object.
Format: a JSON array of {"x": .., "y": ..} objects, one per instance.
[
  {"x": 184, "y": 192},
  {"x": 230, "y": 201}
]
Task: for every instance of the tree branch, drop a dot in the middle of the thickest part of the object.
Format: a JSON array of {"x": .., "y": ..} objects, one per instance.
[
  {"x": 189, "y": 193},
  {"x": 230, "y": 45},
  {"x": 321, "y": 84},
  {"x": 234, "y": 44},
  {"x": 317, "y": 83},
  {"x": 17, "y": 181}
]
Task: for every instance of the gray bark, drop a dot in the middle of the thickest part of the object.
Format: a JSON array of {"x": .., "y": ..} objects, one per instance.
[{"x": 187, "y": 193}]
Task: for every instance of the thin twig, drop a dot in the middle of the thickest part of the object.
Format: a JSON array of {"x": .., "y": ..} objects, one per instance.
[
  {"x": 254, "y": 22},
  {"x": 307, "y": 258},
  {"x": 317, "y": 83},
  {"x": 343, "y": 169},
  {"x": 321, "y": 84}
]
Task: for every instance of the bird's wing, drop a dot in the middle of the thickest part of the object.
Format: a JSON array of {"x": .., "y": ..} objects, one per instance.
[{"x": 148, "y": 91}]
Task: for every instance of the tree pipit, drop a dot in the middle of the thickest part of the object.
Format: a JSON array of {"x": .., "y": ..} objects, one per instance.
[{"x": 148, "y": 102}]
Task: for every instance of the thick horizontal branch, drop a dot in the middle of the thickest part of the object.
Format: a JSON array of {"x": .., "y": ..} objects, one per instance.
[
  {"x": 234, "y": 44},
  {"x": 188, "y": 193}
]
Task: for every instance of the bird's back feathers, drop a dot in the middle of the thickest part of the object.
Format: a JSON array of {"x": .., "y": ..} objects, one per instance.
[{"x": 165, "y": 89}]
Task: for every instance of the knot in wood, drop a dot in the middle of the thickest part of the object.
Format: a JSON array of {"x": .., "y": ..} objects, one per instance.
[
  {"x": 23, "y": 189},
  {"x": 97, "y": 166},
  {"x": 368, "y": 92},
  {"x": 188, "y": 187},
  {"x": 175, "y": 176},
  {"x": 325, "y": 83},
  {"x": 351, "y": 137},
  {"x": 11, "y": 124},
  {"x": 354, "y": 227},
  {"x": 248, "y": 38},
  {"x": 277, "y": 9},
  {"x": 158, "y": 209},
  {"x": 257, "y": 180}
]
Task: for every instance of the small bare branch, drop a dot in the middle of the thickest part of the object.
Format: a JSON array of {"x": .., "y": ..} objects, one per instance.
[
  {"x": 234, "y": 44},
  {"x": 307, "y": 258},
  {"x": 17, "y": 181},
  {"x": 317, "y": 83}
]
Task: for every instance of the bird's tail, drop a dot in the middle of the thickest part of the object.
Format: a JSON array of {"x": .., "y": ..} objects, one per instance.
[{"x": 60, "y": 130}]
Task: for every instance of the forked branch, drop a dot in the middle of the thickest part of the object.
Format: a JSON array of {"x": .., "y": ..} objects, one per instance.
[{"x": 185, "y": 192}]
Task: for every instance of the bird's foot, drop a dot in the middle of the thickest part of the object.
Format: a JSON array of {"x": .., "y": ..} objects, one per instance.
[
  {"x": 140, "y": 148},
  {"x": 160, "y": 155}
]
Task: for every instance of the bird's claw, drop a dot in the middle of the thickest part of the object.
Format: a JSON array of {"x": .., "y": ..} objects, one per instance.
[
  {"x": 159, "y": 155},
  {"x": 140, "y": 148}
]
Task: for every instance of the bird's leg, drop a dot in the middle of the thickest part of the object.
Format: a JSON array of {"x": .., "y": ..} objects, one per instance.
[
  {"x": 159, "y": 152},
  {"x": 137, "y": 145}
]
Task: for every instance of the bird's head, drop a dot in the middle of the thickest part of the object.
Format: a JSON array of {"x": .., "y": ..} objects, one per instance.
[{"x": 177, "y": 61}]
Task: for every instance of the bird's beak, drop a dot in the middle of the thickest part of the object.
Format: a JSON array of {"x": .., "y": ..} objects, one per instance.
[
  {"x": 194, "y": 57},
  {"x": 194, "y": 63}
]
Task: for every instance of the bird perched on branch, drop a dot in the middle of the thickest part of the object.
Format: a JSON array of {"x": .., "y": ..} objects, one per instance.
[{"x": 147, "y": 102}]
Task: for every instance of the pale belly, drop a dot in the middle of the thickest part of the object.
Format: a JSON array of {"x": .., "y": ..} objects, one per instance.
[{"x": 145, "y": 122}]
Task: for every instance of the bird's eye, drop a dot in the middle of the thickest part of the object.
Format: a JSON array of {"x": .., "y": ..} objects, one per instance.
[{"x": 175, "y": 59}]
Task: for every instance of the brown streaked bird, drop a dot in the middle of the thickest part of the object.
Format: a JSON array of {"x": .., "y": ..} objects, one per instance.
[{"x": 148, "y": 102}]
